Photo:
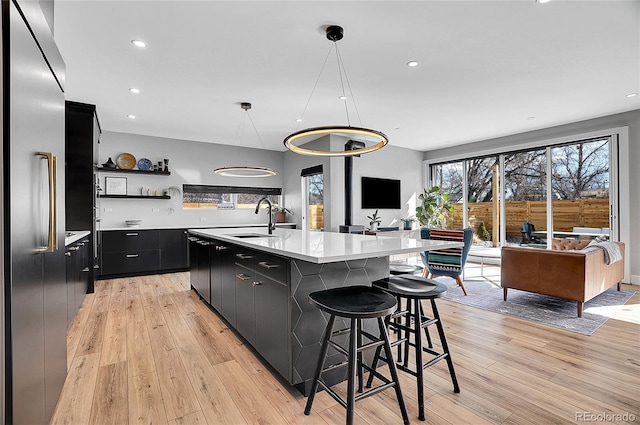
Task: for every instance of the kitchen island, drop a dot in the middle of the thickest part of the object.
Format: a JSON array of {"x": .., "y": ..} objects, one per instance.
[{"x": 260, "y": 283}]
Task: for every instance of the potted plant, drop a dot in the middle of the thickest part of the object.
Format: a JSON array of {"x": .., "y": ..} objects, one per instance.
[
  {"x": 280, "y": 213},
  {"x": 375, "y": 220},
  {"x": 434, "y": 208},
  {"x": 407, "y": 222}
]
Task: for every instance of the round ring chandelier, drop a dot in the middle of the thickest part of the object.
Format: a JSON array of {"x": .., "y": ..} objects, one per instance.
[
  {"x": 335, "y": 33},
  {"x": 381, "y": 139},
  {"x": 245, "y": 171}
]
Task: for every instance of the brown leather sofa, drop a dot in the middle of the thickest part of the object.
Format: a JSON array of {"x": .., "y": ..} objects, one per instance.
[{"x": 566, "y": 271}]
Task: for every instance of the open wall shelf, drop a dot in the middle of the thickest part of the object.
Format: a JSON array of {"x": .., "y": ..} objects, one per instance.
[
  {"x": 135, "y": 196},
  {"x": 132, "y": 171}
]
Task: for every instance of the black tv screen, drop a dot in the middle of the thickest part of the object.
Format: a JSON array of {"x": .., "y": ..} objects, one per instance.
[{"x": 380, "y": 193}]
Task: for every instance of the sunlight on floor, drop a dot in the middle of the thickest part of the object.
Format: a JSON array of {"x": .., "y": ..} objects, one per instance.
[{"x": 626, "y": 313}]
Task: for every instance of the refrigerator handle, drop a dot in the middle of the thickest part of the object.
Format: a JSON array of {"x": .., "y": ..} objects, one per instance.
[{"x": 52, "y": 243}]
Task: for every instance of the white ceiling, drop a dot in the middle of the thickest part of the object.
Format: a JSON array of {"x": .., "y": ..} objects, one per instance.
[{"x": 486, "y": 68}]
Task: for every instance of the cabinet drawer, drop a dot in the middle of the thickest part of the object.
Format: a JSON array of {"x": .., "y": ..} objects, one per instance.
[
  {"x": 130, "y": 240},
  {"x": 130, "y": 262},
  {"x": 272, "y": 266},
  {"x": 245, "y": 256}
]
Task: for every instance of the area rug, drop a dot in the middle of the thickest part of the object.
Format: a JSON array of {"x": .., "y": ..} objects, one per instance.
[{"x": 550, "y": 311}]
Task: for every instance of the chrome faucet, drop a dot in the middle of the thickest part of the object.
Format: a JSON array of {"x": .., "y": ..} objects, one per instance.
[{"x": 271, "y": 225}]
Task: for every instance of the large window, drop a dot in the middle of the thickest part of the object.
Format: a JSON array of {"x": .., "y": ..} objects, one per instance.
[
  {"x": 562, "y": 187},
  {"x": 231, "y": 197}
]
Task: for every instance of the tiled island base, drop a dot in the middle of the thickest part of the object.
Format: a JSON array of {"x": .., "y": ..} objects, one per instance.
[{"x": 308, "y": 323}]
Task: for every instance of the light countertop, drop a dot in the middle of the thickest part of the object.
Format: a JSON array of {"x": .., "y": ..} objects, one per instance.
[
  {"x": 189, "y": 226},
  {"x": 322, "y": 247},
  {"x": 74, "y": 236}
]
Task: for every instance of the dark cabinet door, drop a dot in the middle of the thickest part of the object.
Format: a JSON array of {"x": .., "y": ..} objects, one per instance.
[
  {"x": 200, "y": 269},
  {"x": 84, "y": 267},
  {"x": 130, "y": 240},
  {"x": 227, "y": 266},
  {"x": 245, "y": 307},
  {"x": 272, "y": 316},
  {"x": 215, "y": 271},
  {"x": 174, "y": 247}
]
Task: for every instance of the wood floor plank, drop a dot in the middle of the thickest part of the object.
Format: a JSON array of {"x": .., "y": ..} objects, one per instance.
[
  {"x": 75, "y": 330},
  {"x": 254, "y": 405},
  {"x": 177, "y": 391},
  {"x": 215, "y": 349},
  {"x": 139, "y": 354},
  {"x": 215, "y": 400},
  {"x": 75, "y": 403},
  {"x": 114, "y": 345},
  {"x": 93, "y": 333},
  {"x": 196, "y": 418},
  {"x": 110, "y": 401},
  {"x": 181, "y": 333},
  {"x": 146, "y": 405}
]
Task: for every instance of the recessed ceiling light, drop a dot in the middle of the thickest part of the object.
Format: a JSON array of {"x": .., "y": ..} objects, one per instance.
[
  {"x": 343, "y": 97},
  {"x": 131, "y": 117},
  {"x": 412, "y": 63},
  {"x": 531, "y": 118},
  {"x": 134, "y": 90},
  {"x": 139, "y": 43},
  {"x": 543, "y": 1},
  {"x": 632, "y": 94},
  {"x": 298, "y": 119}
]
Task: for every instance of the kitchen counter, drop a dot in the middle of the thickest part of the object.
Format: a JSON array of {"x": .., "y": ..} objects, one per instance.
[
  {"x": 190, "y": 226},
  {"x": 321, "y": 247},
  {"x": 75, "y": 235}
]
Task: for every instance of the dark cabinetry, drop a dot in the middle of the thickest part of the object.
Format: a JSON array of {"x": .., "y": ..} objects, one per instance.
[
  {"x": 200, "y": 275},
  {"x": 135, "y": 252},
  {"x": 78, "y": 265},
  {"x": 82, "y": 137},
  {"x": 173, "y": 247},
  {"x": 262, "y": 305}
]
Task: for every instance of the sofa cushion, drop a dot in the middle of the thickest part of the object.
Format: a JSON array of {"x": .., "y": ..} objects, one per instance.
[{"x": 568, "y": 244}]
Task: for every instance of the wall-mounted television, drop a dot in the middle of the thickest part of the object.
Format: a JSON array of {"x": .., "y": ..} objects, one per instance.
[{"x": 380, "y": 193}]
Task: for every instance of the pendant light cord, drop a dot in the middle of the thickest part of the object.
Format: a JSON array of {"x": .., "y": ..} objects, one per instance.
[
  {"x": 353, "y": 98},
  {"x": 314, "y": 88}
]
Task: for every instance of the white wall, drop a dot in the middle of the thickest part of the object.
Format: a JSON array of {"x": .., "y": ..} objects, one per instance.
[
  {"x": 189, "y": 162},
  {"x": 632, "y": 161},
  {"x": 390, "y": 162}
]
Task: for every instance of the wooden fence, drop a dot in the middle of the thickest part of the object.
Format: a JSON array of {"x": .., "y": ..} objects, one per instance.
[{"x": 566, "y": 215}]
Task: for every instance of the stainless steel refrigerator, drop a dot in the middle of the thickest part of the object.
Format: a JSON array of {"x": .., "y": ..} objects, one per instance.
[{"x": 35, "y": 297}]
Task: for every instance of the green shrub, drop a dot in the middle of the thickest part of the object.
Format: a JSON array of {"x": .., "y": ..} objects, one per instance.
[{"x": 482, "y": 232}]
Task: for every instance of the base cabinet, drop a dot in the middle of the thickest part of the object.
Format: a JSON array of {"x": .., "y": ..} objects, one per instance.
[
  {"x": 78, "y": 268},
  {"x": 136, "y": 252},
  {"x": 199, "y": 271}
]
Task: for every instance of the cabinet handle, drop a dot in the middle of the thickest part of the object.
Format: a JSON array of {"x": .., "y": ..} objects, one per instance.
[
  {"x": 221, "y": 248},
  {"x": 74, "y": 248},
  {"x": 204, "y": 243},
  {"x": 244, "y": 256},
  {"x": 243, "y": 276},
  {"x": 68, "y": 254},
  {"x": 86, "y": 270},
  {"x": 257, "y": 283},
  {"x": 192, "y": 239},
  {"x": 96, "y": 266},
  {"x": 132, "y": 234},
  {"x": 85, "y": 241},
  {"x": 132, "y": 255},
  {"x": 267, "y": 265}
]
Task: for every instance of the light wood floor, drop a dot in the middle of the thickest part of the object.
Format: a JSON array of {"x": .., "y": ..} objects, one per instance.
[{"x": 145, "y": 350}]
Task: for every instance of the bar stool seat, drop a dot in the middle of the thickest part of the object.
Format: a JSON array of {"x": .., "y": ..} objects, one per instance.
[
  {"x": 355, "y": 303},
  {"x": 415, "y": 289}
]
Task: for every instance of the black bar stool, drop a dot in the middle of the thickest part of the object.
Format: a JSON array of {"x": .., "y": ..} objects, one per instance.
[
  {"x": 355, "y": 303},
  {"x": 414, "y": 289}
]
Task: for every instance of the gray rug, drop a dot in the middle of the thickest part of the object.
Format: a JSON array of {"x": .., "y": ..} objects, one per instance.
[{"x": 543, "y": 309}]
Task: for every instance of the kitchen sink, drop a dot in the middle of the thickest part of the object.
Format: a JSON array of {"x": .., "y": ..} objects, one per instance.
[{"x": 252, "y": 235}]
